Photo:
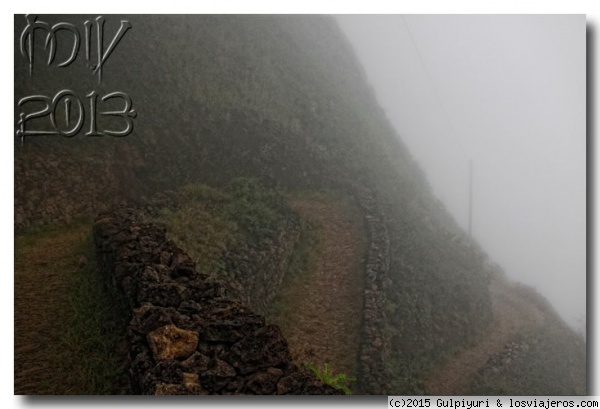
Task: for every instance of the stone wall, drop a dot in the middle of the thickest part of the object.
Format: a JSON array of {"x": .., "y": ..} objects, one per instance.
[
  {"x": 253, "y": 274},
  {"x": 185, "y": 336},
  {"x": 256, "y": 276},
  {"x": 57, "y": 186},
  {"x": 371, "y": 366}
]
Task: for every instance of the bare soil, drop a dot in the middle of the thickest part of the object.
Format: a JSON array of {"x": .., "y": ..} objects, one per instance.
[
  {"x": 513, "y": 313},
  {"x": 44, "y": 266},
  {"x": 321, "y": 312}
]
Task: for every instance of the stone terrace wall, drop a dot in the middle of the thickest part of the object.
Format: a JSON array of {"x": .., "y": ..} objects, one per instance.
[
  {"x": 257, "y": 276},
  {"x": 253, "y": 276},
  {"x": 185, "y": 336},
  {"x": 57, "y": 187},
  {"x": 371, "y": 367}
]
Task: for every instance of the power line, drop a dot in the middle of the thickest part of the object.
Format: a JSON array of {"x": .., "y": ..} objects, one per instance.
[
  {"x": 448, "y": 120},
  {"x": 433, "y": 88}
]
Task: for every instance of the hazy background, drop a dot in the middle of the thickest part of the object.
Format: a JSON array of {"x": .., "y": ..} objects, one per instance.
[{"x": 509, "y": 93}]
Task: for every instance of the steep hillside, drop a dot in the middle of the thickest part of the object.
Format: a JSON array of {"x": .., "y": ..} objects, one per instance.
[
  {"x": 329, "y": 291},
  {"x": 281, "y": 99},
  {"x": 527, "y": 351},
  {"x": 69, "y": 337}
]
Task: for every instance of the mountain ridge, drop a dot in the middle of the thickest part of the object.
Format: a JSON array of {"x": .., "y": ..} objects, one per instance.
[{"x": 282, "y": 99}]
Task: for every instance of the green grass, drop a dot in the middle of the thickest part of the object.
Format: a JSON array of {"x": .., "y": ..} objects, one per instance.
[
  {"x": 97, "y": 331},
  {"x": 340, "y": 381},
  {"x": 260, "y": 213},
  {"x": 306, "y": 250},
  {"x": 203, "y": 234},
  {"x": 70, "y": 326},
  {"x": 210, "y": 222},
  {"x": 69, "y": 329}
]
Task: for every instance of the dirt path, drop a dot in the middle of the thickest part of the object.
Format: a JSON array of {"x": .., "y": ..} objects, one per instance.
[
  {"x": 513, "y": 313},
  {"x": 69, "y": 331},
  {"x": 44, "y": 265},
  {"x": 321, "y": 316}
]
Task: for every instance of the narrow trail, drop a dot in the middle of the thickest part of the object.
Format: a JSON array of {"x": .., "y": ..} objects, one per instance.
[
  {"x": 321, "y": 315},
  {"x": 513, "y": 313},
  {"x": 43, "y": 278}
]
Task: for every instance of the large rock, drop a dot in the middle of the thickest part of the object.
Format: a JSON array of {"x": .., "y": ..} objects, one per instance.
[
  {"x": 185, "y": 336},
  {"x": 170, "y": 342}
]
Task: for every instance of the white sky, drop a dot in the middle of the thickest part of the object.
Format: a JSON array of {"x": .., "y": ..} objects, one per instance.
[{"x": 509, "y": 92}]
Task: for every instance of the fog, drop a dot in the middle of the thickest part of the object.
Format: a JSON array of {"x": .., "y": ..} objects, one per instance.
[{"x": 507, "y": 92}]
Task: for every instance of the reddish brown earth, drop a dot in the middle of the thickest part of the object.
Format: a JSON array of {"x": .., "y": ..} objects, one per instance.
[
  {"x": 44, "y": 267},
  {"x": 321, "y": 309}
]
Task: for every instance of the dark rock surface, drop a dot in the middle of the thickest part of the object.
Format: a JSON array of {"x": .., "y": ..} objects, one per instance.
[
  {"x": 372, "y": 378},
  {"x": 185, "y": 336}
]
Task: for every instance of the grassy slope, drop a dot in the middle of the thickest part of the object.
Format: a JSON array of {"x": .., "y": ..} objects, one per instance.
[
  {"x": 68, "y": 334},
  {"x": 319, "y": 306},
  {"x": 553, "y": 364},
  {"x": 543, "y": 355},
  {"x": 282, "y": 98},
  {"x": 289, "y": 99},
  {"x": 209, "y": 222}
]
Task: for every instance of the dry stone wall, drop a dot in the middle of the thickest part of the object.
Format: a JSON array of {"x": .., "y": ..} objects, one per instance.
[
  {"x": 371, "y": 366},
  {"x": 54, "y": 186},
  {"x": 253, "y": 274},
  {"x": 185, "y": 336},
  {"x": 256, "y": 276}
]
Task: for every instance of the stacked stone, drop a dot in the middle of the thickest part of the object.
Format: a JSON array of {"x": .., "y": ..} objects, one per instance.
[
  {"x": 185, "y": 336},
  {"x": 512, "y": 350},
  {"x": 371, "y": 367},
  {"x": 57, "y": 187},
  {"x": 257, "y": 276}
]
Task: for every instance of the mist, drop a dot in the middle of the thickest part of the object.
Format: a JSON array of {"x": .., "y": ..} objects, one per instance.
[{"x": 507, "y": 93}]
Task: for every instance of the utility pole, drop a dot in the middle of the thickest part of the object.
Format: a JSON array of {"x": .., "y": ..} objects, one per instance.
[{"x": 470, "y": 195}]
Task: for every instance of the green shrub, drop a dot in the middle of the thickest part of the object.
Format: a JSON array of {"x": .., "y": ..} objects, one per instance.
[
  {"x": 210, "y": 222},
  {"x": 340, "y": 381},
  {"x": 201, "y": 231},
  {"x": 259, "y": 212},
  {"x": 198, "y": 192}
]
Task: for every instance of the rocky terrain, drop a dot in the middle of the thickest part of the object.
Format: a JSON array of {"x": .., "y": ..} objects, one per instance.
[
  {"x": 244, "y": 113},
  {"x": 185, "y": 337}
]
